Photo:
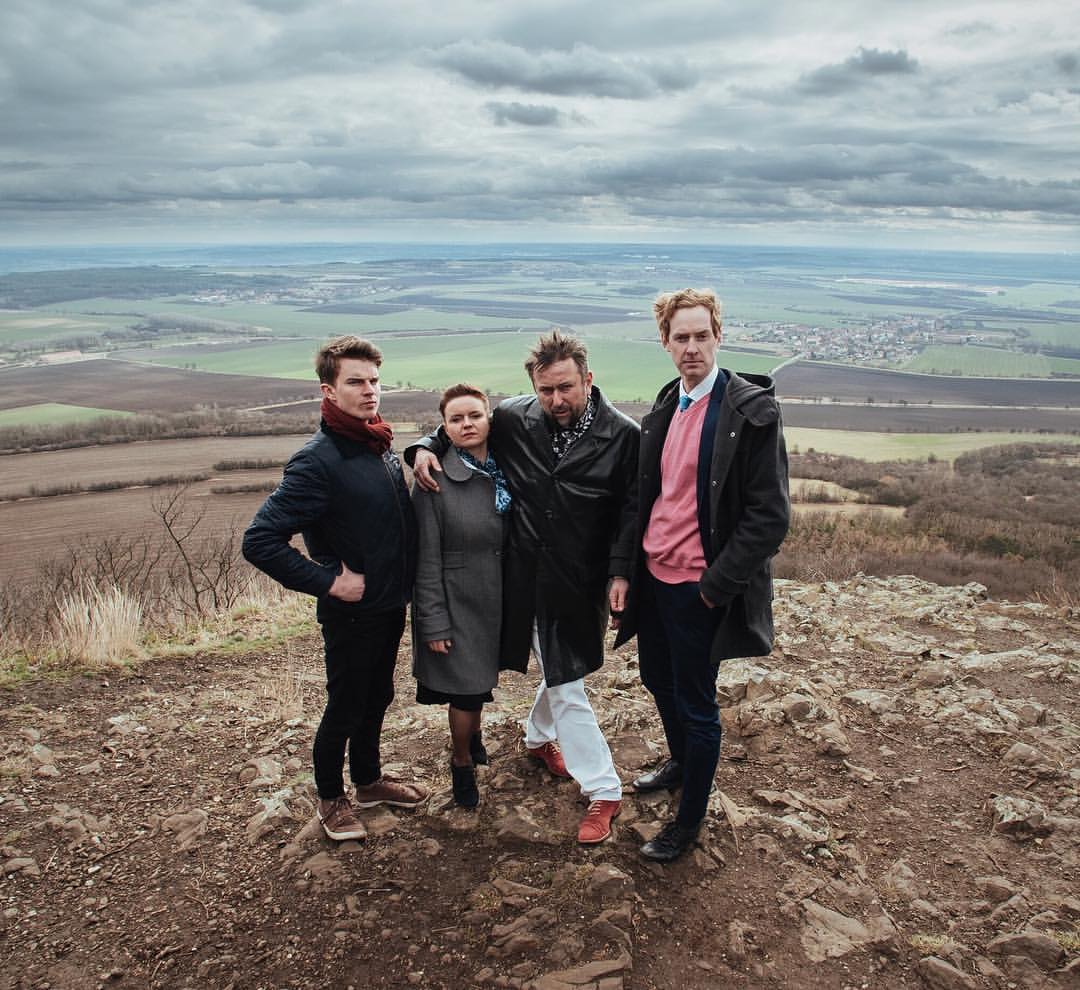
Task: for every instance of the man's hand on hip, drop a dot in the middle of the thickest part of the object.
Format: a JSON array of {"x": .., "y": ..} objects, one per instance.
[
  {"x": 348, "y": 585},
  {"x": 423, "y": 467}
]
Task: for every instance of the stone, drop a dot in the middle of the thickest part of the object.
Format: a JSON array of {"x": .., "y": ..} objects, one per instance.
[
  {"x": 261, "y": 772},
  {"x": 187, "y": 826},
  {"x": 796, "y": 707},
  {"x": 996, "y": 888},
  {"x": 877, "y": 702},
  {"x": 322, "y": 866},
  {"x": 519, "y": 824},
  {"x": 828, "y": 934},
  {"x": 932, "y": 675},
  {"x": 21, "y": 864},
  {"x": 610, "y": 883},
  {"x": 588, "y": 973},
  {"x": 900, "y": 877},
  {"x": 1019, "y": 817},
  {"x": 273, "y": 814},
  {"x": 831, "y": 741},
  {"x": 1041, "y": 949},
  {"x": 939, "y": 975}
]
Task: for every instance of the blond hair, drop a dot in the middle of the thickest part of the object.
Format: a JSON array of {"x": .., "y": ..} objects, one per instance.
[{"x": 666, "y": 305}]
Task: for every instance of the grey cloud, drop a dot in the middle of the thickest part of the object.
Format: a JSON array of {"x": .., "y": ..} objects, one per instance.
[
  {"x": 528, "y": 114},
  {"x": 580, "y": 71},
  {"x": 878, "y": 63},
  {"x": 852, "y": 72},
  {"x": 288, "y": 110}
]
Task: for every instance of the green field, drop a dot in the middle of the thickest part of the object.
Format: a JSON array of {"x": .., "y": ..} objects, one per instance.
[
  {"x": 52, "y": 414},
  {"x": 989, "y": 362},
  {"x": 625, "y": 370},
  {"x": 907, "y": 446},
  {"x": 20, "y": 326},
  {"x": 291, "y": 321}
]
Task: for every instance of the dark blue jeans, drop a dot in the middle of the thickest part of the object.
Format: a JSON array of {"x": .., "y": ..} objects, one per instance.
[
  {"x": 675, "y": 632},
  {"x": 360, "y": 657}
]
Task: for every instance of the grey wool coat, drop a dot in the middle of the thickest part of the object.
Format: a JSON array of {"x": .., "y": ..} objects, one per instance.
[{"x": 459, "y": 577}]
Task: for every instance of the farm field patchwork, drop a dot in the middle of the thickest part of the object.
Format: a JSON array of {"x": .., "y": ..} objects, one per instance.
[
  {"x": 52, "y": 414},
  {"x": 625, "y": 370},
  {"x": 134, "y": 462},
  {"x": 116, "y": 385},
  {"x": 37, "y": 530},
  {"x": 957, "y": 359},
  {"x": 882, "y": 417},
  {"x": 903, "y": 446},
  {"x": 847, "y": 383}
]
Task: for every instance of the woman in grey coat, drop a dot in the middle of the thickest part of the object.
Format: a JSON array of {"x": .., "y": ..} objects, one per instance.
[{"x": 457, "y": 598}]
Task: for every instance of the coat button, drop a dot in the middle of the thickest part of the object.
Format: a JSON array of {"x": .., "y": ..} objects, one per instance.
[
  {"x": 732, "y": 434},
  {"x": 715, "y": 483}
]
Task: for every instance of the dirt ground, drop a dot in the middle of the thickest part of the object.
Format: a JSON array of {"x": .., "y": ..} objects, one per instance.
[{"x": 896, "y": 806}]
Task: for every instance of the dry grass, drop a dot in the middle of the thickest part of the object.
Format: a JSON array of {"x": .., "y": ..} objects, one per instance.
[{"x": 98, "y": 627}]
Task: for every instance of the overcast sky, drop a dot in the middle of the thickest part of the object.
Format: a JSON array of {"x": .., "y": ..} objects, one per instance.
[{"x": 934, "y": 123}]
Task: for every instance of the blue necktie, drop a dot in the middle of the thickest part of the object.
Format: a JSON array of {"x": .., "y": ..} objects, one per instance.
[{"x": 684, "y": 402}]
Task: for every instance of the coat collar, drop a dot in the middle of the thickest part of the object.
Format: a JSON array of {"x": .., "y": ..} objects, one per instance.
[
  {"x": 602, "y": 425},
  {"x": 454, "y": 467}
]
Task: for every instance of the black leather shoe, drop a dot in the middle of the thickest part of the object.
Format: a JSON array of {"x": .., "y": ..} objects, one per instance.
[
  {"x": 476, "y": 750},
  {"x": 670, "y": 843},
  {"x": 668, "y": 774},
  {"x": 466, "y": 793}
]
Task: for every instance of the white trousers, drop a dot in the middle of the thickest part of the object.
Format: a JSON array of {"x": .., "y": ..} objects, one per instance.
[{"x": 563, "y": 714}]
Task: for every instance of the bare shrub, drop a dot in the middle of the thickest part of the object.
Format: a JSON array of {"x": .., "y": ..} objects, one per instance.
[
  {"x": 75, "y": 487},
  {"x": 98, "y": 626},
  {"x": 204, "y": 572},
  {"x": 255, "y": 486},
  {"x": 248, "y": 464}
]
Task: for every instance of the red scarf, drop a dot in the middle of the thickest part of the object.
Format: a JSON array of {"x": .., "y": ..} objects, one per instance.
[{"x": 375, "y": 434}]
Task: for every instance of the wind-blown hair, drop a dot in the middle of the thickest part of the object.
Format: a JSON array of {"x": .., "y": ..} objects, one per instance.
[
  {"x": 328, "y": 359},
  {"x": 667, "y": 303},
  {"x": 554, "y": 347}
]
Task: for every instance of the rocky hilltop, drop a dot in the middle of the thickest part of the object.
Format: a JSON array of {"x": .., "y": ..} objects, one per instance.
[{"x": 897, "y": 806}]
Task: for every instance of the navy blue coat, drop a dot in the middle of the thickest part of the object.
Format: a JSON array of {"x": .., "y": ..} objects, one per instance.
[{"x": 352, "y": 507}]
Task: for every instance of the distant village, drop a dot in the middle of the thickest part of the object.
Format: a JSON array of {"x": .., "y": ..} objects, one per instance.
[{"x": 882, "y": 343}]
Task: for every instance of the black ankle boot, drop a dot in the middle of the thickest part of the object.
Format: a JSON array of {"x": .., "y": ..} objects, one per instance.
[
  {"x": 477, "y": 751},
  {"x": 466, "y": 792}
]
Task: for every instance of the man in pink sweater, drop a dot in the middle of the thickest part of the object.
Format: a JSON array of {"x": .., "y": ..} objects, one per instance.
[{"x": 713, "y": 511}]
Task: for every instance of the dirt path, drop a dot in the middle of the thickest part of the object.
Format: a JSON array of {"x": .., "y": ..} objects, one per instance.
[{"x": 897, "y": 806}]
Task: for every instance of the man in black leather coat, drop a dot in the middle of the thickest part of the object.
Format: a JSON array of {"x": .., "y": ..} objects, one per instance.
[{"x": 570, "y": 459}]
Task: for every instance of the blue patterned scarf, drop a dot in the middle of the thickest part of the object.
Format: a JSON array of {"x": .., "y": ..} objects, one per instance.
[{"x": 492, "y": 470}]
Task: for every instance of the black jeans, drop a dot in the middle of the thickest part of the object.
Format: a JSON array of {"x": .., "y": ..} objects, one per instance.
[
  {"x": 675, "y": 632},
  {"x": 360, "y": 657}
]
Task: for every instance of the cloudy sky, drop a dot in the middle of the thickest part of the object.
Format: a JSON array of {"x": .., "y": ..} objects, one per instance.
[{"x": 934, "y": 123}]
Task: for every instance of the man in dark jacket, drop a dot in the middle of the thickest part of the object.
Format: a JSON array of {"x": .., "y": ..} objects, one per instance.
[
  {"x": 345, "y": 492},
  {"x": 570, "y": 459},
  {"x": 713, "y": 511}
]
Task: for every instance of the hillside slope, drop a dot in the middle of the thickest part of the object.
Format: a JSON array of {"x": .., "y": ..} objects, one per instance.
[{"x": 897, "y": 805}]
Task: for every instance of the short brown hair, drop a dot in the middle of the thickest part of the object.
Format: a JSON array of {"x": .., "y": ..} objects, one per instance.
[
  {"x": 668, "y": 302},
  {"x": 328, "y": 360},
  {"x": 556, "y": 346},
  {"x": 457, "y": 391}
]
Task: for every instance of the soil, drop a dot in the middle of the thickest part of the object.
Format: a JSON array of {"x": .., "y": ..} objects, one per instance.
[{"x": 157, "y": 830}]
